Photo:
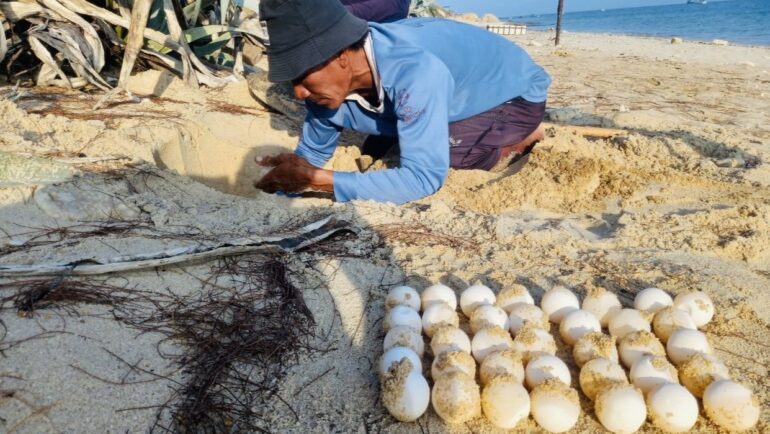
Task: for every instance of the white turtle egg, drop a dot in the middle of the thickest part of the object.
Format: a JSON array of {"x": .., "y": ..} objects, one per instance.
[
  {"x": 621, "y": 408},
  {"x": 697, "y": 304},
  {"x": 453, "y": 361},
  {"x": 598, "y": 374},
  {"x": 405, "y": 392},
  {"x": 731, "y": 405},
  {"x": 650, "y": 372},
  {"x": 576, "y": 324},
  {"x": 436, "y": 315},
  {"x": 488, "y": 316},
  {"x": 628, "y": 321},
  {"x": 672, "y": 408},
  {"x": 403, "y": 316},
  {"x": 531, "y": 341},
  {"x": 489, "y": 340},
  {"x": 558, "y": 302},
  {"x": 403, "y": 296},
  {"x": 396, "y": 354},
  {"x": 669, "y": 319},
  {"x": 555, "y": 406},
  {"x": 701, "y": 370},
  {"x": 403, "y": 336},
  {"x": 544, "y": 367},
  {"x": 637, "y": 344},
  {"x": 439, "y": 294},
  {"x": 527, "y": 314},
  {"x": 513, "y": 295},
  {"x": 652, "y": 300},
  {"x": 602, "y": 303},
  {"x": 506, "y": 362},
  {"x": 448, "y": 338},
  {"x": 505, "y": 402},
  {"x": 474, "y": 297},
  {"x": 684, "y": 343},
  {"x": 594, "y": 345},
  {"x": 456, "y": 398}
]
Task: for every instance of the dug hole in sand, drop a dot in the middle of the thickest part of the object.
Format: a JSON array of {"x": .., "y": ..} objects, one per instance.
[{"x": 680, "y": 202}]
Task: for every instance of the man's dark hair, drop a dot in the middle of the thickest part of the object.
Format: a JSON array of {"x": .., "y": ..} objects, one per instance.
[{"x": 359, "y": 44}]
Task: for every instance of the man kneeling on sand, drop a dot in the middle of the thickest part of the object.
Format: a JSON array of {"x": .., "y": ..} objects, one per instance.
[{"x": 448, "y": 94}]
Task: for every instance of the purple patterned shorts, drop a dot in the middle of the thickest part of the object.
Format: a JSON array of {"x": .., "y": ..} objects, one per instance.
[{"x": 475, "y": 143}]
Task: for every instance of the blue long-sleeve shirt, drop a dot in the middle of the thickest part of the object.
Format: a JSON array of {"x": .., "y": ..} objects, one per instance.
[{"x": 432, "y": 72}]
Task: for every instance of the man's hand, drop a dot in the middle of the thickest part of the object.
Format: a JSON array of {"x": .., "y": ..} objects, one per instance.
[{"x": 293, "y": 174}]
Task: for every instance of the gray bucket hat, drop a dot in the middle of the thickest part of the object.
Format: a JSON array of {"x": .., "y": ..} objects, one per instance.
[{"x": 306, "y": 33}]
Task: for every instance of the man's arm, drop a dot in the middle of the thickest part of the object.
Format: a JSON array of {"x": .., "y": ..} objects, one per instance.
[
  {"x": 319, "y": 139},
  {"x": 422, "y": 109}
]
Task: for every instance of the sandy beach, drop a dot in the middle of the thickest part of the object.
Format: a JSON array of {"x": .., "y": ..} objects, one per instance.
[{"x": 680, "y": 201}]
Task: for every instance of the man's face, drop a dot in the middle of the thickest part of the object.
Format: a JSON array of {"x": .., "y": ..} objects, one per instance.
[{"x": 327, "y": 84}]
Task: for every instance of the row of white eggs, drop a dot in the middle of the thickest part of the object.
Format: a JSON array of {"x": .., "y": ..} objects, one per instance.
[
  {"x": 561, "y": 305},
  {"x": 672, "y": 407}
]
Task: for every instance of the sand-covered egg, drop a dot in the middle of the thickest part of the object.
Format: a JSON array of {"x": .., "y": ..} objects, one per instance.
[
  {"x": 672, "y": 408},
  {"x": 545, "y": 367},
  {"x": 555, "y": 406},
  {"x": 505, "y": 402},
  {"x": 684, "y": 343},
  {"x": 669, "y": 319},
  {"x": 621, "y": 408},
  {"x": 401, "y": 315},
  {"x": 697, "y": 304},
  {"x": 576, "y": 324},
  {"x": 448, "y": 338},
  {"x": 594, "y": 345},
  {"x": 453, "y": 361},
  {"x": 475, "y": 296},
  {"x": 701, "y": 370},
  {"x": 731, "y": 405},
  {"x": 628, "y": 321},
  {"x": 637, "y": 344},
  {"x": 456, "y": 398},
  {"x": 488, "y": 316},
  {"x": 652, "y": 300},
  {"x": 396, "y": 354},
  {"x": 488, "y": 341},
  {"x": 531, "y": 341},
  {"x": 513, "y": 295},
  {"x": 403, "y": 336},
  {"x": 650, "y": 372},
  {"x": 558, "y": 302},
  {"x": 602, "y": 303},
  {"x": 437, "y": 315},
  {"x": 403, "y": 296},
  {"x": 598, "y": 374},
  {"x": 405, "y": 392},
  {"x": 507, "y": 362},
  {"x": 527, "y": 314},
  {"x": 438, "y": 294}
]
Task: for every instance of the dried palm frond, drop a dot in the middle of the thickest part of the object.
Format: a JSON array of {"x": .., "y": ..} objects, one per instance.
[
  {"x": 3, "y": 43},
  {"x": 70, "y": 42},
  {"x": 427, "y": 8}
]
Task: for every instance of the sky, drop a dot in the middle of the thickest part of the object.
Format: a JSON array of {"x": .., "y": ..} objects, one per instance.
[{"x": 507, "y": 8}]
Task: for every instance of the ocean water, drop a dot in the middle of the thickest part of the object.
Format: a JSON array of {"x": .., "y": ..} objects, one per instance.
[{"x": 738, "y": 21}]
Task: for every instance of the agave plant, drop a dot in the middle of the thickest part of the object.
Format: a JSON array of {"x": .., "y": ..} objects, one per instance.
[
  {"x": 427, "y": 8},
  {"x": 69, "y": 42}
]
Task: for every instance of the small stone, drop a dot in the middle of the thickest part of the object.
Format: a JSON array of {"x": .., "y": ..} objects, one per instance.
[
  {"x": 720, "y": 42},
  {"x": 676, "y": 40}
]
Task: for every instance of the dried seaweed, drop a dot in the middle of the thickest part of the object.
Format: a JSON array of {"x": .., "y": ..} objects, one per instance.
[
  {"x": 236, "y": 336},
  {"x": 419, "y": 234}
]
